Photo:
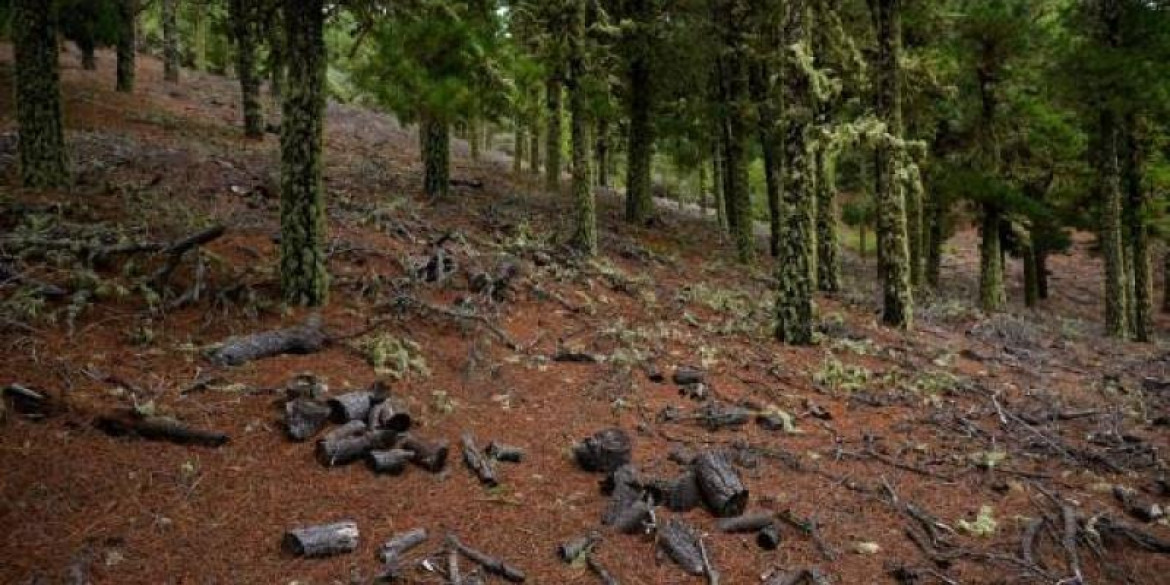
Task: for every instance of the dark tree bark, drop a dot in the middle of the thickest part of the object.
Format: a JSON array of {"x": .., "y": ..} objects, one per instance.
[
  {"x": 390, "y": 461},
  {"x": 301, "y": 339},
  {"x": 935, "y": 230},
  {"x": 552, "y": 167},
  {"x": 1137, "y": 233},
  {"x": 893, "y": 251},
  {"x": 717, "y": 169},
  {"x": 773, "y": 160},
  {"x": 127, "y": 44},
  {"x": 584, "y": 237},
  {"x": 535, "y": 136},
  {"x": 639, "y": 193},
  {"x": 243, "y": 25},
  {"x": 681, "y": 544},
  {"x": 304, "y": 418},
  {"x": 1112, "y": 242},
  {"x": 477, "y": 462},
  {"x": 431, "y": 456},
  {"x": 303, "y": 276},
  {"x": 436, "y": 146},
  {"x": 171, "y": 52},
  {"x": 40, "y": 121},
  {"x": 1031, "y": 277},
  {"x": 605, "y": 451},
  {"x": 991, "y": 285},
  {"x": 722, "y": 489},
  {"x": 601, "y": 153},
  {"x": 734, "y": 76},
  {"x": 322, "y": 541}
]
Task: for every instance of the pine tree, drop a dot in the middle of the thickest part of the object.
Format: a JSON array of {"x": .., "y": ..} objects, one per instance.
[
  {"x": 41, "y": 132},
  {"x": 736, "y": 113},
  {"x": 243, "y": 15},
  {"x": 555, "y": 133},
  {"x": 171, "y": 52},
  {"x": 893, "y": 252},
  {"x": 127, "y": 44},
  {"x": 303, "y": 275},
  {"x": 584, "y": 237},
  {"x": 640, "y": 141}
]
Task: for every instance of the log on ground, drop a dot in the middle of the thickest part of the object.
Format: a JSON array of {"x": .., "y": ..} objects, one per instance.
[
  {"x": 431, "y": 456},
  {"x": 719, "y": 483},
  {"x": 477, "y": 462},
  {"x": 680, "y": 542},
  {"x": 605, "y": 451},
  {"x": 300, "y": 339},
  {"x": 304, "y": 418},
  {"x": 322, "y": 540},
  {"x": 158, "y": 428}
]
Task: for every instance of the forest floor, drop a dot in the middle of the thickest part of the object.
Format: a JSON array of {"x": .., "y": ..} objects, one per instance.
[{"x": 974, "y": 450}]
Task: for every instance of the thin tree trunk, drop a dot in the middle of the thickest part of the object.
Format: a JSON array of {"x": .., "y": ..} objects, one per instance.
[
  {"x": 303, "y": 276},
  {"x": 893, "y": 253},
  {"x": 473, "y": 138},
  {"x": 436, "y": 154},
  {"x": 934, "y": 240},
  {"x": 737, "y": 130},
  {"x": 1031, "y": 275},
  {"x": 40, "y": 121},
  {"x": 552, "y": 166},
  {"x": 518, "y": 139},
  {"x": 773, "y": 177},
  {"x": 243, "y": 17},
  {"x": 127, "y": 41},
  {"x": 828, "y": 246},
  {"x": 534, "y": 144},
  {"x": 584, "y": 208},
  {"x": 1137, "y": 233},
  {"x": 717, "y": 174},
  {"x": 602, "y": 149},
  {"x": 1041, "y": 272},
  {"x": 171, "y": 52},
  {"x": 199, "y": 37},
  {"x": 1116, "y": 310},
  {"x": 991, "y": 287}
]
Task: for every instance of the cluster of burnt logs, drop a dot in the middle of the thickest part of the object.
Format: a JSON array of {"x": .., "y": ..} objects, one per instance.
[
  {"x": 373, "y": 425},
  {"x": 708, "y": 479}
]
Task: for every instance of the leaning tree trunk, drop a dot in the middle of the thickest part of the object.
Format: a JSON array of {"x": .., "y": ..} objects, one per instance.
[
  {"x": 303, "y": 276},
  {"x": 640, "y": 152},
  {"x": 991, "y": 288},
  {"x": 436, "y": 154},
  {"x": 794, "y": 302},
  {"x": 41, "y": 129},
  {"x": 243, "y": 17},
  {"x": 893, "y": 252},
  {"x": 584, "y": 208},
  {"x": 552, "y": 166},
  {"x": 127, "y": 41},
  {"x": 1137, "y": 234},
  {"x": 170, "y": 25}
]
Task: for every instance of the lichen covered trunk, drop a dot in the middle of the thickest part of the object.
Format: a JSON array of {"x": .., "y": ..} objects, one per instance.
[
  {"x": 1031, "y": 275},
  {"x": 828, "y": 245},
  {"x": 436, "y": 154},
  {"x": 171, "y": 53},
  {"x": 1137, "y": 233},
  {"x": 893, "y": 251},
  {"x": 717, "y": 172},
  {"x": 991, "y": 287},
  {"x": 552, "y": 149},
  {"x": 40, "y": 124},
  {"x": 127, "y": 42},
  {"x": 601, "y": 148},
  {"x": 519, "y": 140},
  {"x": 535, "y": 136},
  {"x": 303, "y": 276},
  {"x": 243, "y": 24},
  {"x": 1116, "y": 309},
  {"x": 773, "y": 177},
  {"x": 584, "y": 238}
]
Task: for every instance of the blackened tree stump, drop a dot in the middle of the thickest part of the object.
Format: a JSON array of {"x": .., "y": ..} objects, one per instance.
[
  {"x": 605, "y": 451},
  {"x": 720, "y": 485},
  {"x": 323, "y": 540},
  {"x": 389, "y": 414},
  {"x": 680, "y": 494},
  {"x": 351, "y": 406}
]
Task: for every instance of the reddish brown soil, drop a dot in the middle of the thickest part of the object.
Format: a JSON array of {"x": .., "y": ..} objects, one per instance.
[{"x": 166, "y": 158}]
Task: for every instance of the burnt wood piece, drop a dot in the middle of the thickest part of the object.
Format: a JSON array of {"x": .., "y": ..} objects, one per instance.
[
  {"x": 300, "y": 339},
  {"x": 719, "y": 483},
  {"x": 680, "y": 494},
  {"x": 389, "y": 414},
  {"x": 787, "y": 577},
  {"x": 1110, "y": 528},
  {"x": 573, "y": 549},
  {"x": 715, "y": 416},
  {"x": 624, "y": 486},
  {"x": 352, "y": 428},
  {"x": 27, "y": 402},
  {"x": 681, "y": 454},
  {"x": 506, "y": 453},
  {"x": 351, "y": 406},
  {"x": 431, "y": 456},
  {"x": 697, "y": 391},
  {"x": 158, "y": 428},
  {"x": 634, "y": 518},
  {"x": 1135, "y": 506},
  {"x": 176, "y": 250},
  {"x": 684, "y": 375},
  {"x": 477, "y": 462},
  {"x": 489, "y": 563},
  {"x": 323, "y": 540},
  {"x": 346, "y": 450},
  {"x": 681, "y": 544},
  {"x": 605, "y": 451},
  {"x": 746, "y": 523},
  {"x": 391, "y": 551},
  {"x": 654, "y": 374},
  {"x": 768, "y": 538},
  {"x": 304, "y": 417},
  {"x": 390, "y": 461},
  {"x": 576, "y": 357},
  {"x": 602, "y": 574}
]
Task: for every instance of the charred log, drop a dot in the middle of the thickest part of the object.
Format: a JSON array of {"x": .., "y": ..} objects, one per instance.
[
  {"x": 605, "y": 451},
  {"x": 158, "y": 428},
  {"x": 321, "y": 541},
  {"x": 301, "y": 339},
  {"x": 431, "y": 456},
  {"x": 506, "y": 453},
  {"x": 722, "y": 489},
  {"x": 351, "y": 406},
  {"x": 304, "y": 418},
  {"x": 477, "y": 462},
  {"x": 489, "y": 563},
  {"x": 390, "y": 461},
  {"x": 681, "y": 544}
]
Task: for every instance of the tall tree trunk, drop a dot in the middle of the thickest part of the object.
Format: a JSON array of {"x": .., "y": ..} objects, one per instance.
[
  {"x": 795, "y": 272},
  {"x": 552, "y": 150},
  {"x": 1116, "y": 309},
  {"x": 473, "y": 138},
  {"x": 171, "y": 52},
  {"x": 991, "y": 287},
  {"x": 717, "y": 174},
  {"x": 1041, "y": 271},
  {"x": 828, "y": 264},
  {"x": 243, "y": 25},
  {"x": 303, "y": 275},
  {"x": 276, "y": 56},
  {"x": 640, "y": 142},
  {"x": 436, "y": 154},
  {"x": 199, "y": 36},
  {"x": 734, "y": 78},
  {"x": 893, "y": 253},
  {"x": 915, "y": 238},
  {"x": 40, "y": 124},
  {"x": 86, "y": 43},
  {"x": 602, "y": 149},
  {"x": 1031, "y": 274},
  {"x": 1137, "y": 233},
  {"x": 127, "y": 43},
  {"x": 584, "y": 208},
  {"x": 703, "y": 195},
  {"x": 935, "y": 225},
  {"x": 535, "y": 137},
  {"x": 519, "y": 139},
  {"x": 773, "y": 177}
]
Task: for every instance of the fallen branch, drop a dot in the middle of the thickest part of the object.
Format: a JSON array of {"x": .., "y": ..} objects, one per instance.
[
  {"x": 300, "y": 339},
  {"x": 489, "y": 563},
  {"x": 159, "y": 428}
]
